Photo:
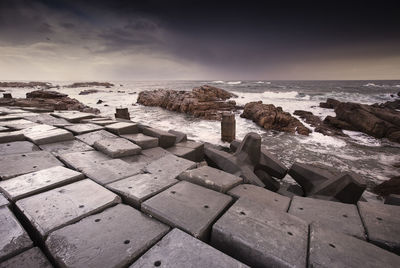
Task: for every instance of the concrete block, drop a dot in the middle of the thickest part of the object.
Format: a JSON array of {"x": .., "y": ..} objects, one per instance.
[
  {"x": 73, "y": 116},
  {"x": 65, "y": 205},
  {"x": 44, "y": 134},
  {"x": 80, "y": 160},
  {"x": 11, "y": 136},
  {"x": 18, "y": 124},
  {"x": 382, "y": 223},
  {"x": 17, "y": 147},
  {"x": 64, "y": 147},
  {"x": 145, "y": 142},
  {"x": 180, "y": 136},
  {"x": 117, "y": 147},
  {"x": 271, "y": 164},
  {"x": 136, "y": 189},
  {"x": 100, "y": 121},
  {"x": 48, "y": 120},
  {"x": 18, "y": 164},
  {"x": 112, "y": 238},
  {"x": 37, "y": 182},
  {"x": 336, "y": 250},
  {"x": 261, "y": 237},
  {"x": 169, "y": 164},
  {"x": 211, "y": 178},
  {"x": 32, "y": 258},
  {"x": 121, "y": 128},
  {"x": 91, "y": 137},
  {"x": 269, "y": 182},
  {"x": 138, "y": 158},
  {"x": 78, "y": 129},
  {"x": 197, "y": 147},
  {"x": 222, "y": 160},
  {"x": 335, "y": 216},
  {"x": 13, "y": 238},
  {"x": 393, "y": 199},
  {"x": 3, "y": 201},
  {"x": 112, "y": 170},
  {"x": 189, "y": 207},
  {"x": 165, "y": 139},
  {"x": 261, "y": 196},
  {"x": 290, "y": 190},
  {"x": 155, "y": 153},
  {"x": 180, "y": 250}
]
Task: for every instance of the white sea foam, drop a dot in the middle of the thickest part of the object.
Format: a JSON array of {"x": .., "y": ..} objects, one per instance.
[
  {"x": 235, "y": 83},
  {"x": 362, "y": 139},
  {"x": 218, "y": 82},
  {"x": 369, "y": 85},
  {"x": 322, "y": 140}
]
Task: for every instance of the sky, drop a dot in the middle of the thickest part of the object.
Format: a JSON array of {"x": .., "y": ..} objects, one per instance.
[{"x": 65, "y": 40}]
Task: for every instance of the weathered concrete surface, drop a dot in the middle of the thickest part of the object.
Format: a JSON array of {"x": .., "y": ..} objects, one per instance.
[
  {"x": 121, "y": 128},
  {"x": 3, "y": 201},
  {"x": 80, "y": 160},
  {"x": 19, "y": 164},
  {"x": 32, "y": 258},
  {"x": 73, "y": 116},
  {"x": 393, "y": 199},
  {"x": 100, "y": 121},
  {"x": 113, "y": 238},
  {"x": 37, "y": 182},
  {"x": 11, "y": 136},
  {"x": 13, "y": 238},
  {"x": 155, "y": 153},
  {"x": 165, "y": 139},
  {"x": 39, "y": 137},
  {"x": 91, "y": 137},
  {"x": 335, "y": 216},
  {"x": 112, "y": 170},
  {"x": 382, "y": 223},
  {"x": 117, "y": 147},
  {"x": 64, "y": 147},
  {"x": 261, "y": 237},
  {"x": 170, "y": 165},
  {"x": 59, "y": 207},
  {"x": 136, "y": 189},
  {"x": 211, "y": 178},
  {"x": 331, "y": 249},
  {"x": 48, "y": 120},
  {"x": 190, "y": 150},
  {"x": 78, "y": 129},
  {"x": 271, "y": 164},
  {"x": 180, "y": 136},
  {"x": 189, "y": 207},
  {"x": 145, "y": 142},
  {"x": 261, "y": 196},
  {"x": 17, "y": 147},
  {"x": 180, "y": 250},
  {"x": 18, "y": 124}
]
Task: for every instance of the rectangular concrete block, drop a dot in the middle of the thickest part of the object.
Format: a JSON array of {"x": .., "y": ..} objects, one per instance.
[
  {"x": 3, "y": 201},
  {"x": 145, "y": 142},
  {"x": 180, "y": 136},
  {"x": 17, "y": 147},
  {"x": 63, "y": 147},
  {"x": 112, "y": 238},
  {"x": 78, "y": 129},
  {"x": 169, "y": 164},
  {"x": 121, "y": 128},
  {"x": 180, "y": 250},
  {"x": 80, "y": 160},
  {"x": 19, "y": 164},
  {"x": 165, "y": 139},
  {"x": 189, "y": 207},
  {"x": 197, "y": 147},
  {"x": 338, "y": 217},
  {"x": 65, "y": 205},
  {"x": 155, "y": 153},
  {"x": 271, "y": 164},
  {"x": 138, "y": 188},
  {"x": 32, "y": 258},
  {"x": 37, "y": 182},
  {"x": 117, "y": 147},
  {"x": 18, "y": 124},
  {"x": 91, "y": 137},
  {"x": 48, "y": 120},
  {"x": 13, "y": 237},
  {"x": 99, "y": 121},
  {"x": 48, "y": 136},
  {"x": 11, "y": 136},
  {"x": 211, "y": 178},
  {"x": 73, "y": 116}
]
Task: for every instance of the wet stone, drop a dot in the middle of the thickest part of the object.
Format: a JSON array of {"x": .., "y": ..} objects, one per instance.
[
  {"x": 62, "y": 206},
  {"x": 92, "y": 137},
  {"x": 136, "y": 189},
  {"x": 37, "y": 182},
  {"x": 17, "y": 147},
  {"x": 332, "y": 249},
  {"x": 73, "y": 116},
  {"x": 169, "y": 164},
  {"x": 45, "y": 136},
  {"x": 189, "y": 207},
  {"x": 180, "y": 250},
  {"x": 121, "y": 128},
  {"x": 78, "y": 129},
  {"x": 338, "y": 217},
  {"x": 19, "y": 164},
  {"x": 211, "y": 178},
  {"x": 112, "y": 238},
  {"x": 145, "y": 142},
  {"x": 11, "y": 136},
  {"x": 261, "y": 237},
  {"x": 13, "y": 238},
  {"x": 117, "y": 147},
  {"x": 80, "y": 160},
  {"x": 32, "y": 258},
  {"x": 3, "y": 201},
  {"x": 165, "y": 139},
  {"x": 382, "y": 223},
  {"x": 261, "y": 196},
  {"x": 64, "y": 147}
]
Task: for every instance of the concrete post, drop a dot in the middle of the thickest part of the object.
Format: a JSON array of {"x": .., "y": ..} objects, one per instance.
[
  {"x": 7, "y": 95},
  {"x": 122, "y": 113},
  {"x": 228, "y": 127}
]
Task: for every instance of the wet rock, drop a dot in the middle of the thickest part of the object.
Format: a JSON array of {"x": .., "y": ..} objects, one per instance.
[
  {"x": 32, "y": 258},
  {"x": 389, "y": 104},
  {"x": 144, "y": 141},
  {"x": 329, "y": 104},
  {"x": 42, "y": 94},
  {"x": 90, "y": 91},
  {"x": 90, "y": 84},
  {"x": 64, "y": 147},
  {"x": 92, "y": 137},
  {"x": 117, "y": 147},
  {"x": 44, "y": 85},
  {"x": 17, "y": 147},
  {"x": 319, "y": 125},
  {"x": 99, "y": 102}
]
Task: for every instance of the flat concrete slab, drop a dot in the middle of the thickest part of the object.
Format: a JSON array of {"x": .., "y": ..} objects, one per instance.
[
  {"x": 393, "y": 199},
  {"x": 63, "y": 147},
  {"x": 80, "y": 160},
  {"x": 189, "y": 207},
  {"x": 121, "y": 128},
  {"x": 180, "y": 250},
  {"x": 211, "y": 178},
  {"x": 17, "y": 147},
  {"x": 169, "y": 164},
  {"x": 261, "y": 237},
  {"x": 197, "y": 154},
  {"x": 37, "y": 182},
  {"x": 112, "y": 170},
  {"x": 145, "y": 142},
  {"x": 11, "y": 136},
  {"x": 331, "y": 249},
  {"x": 113, "y": 238},
  {"x": 62, "y": 206},
  {"x": 92, "y": 137},
  {"x": 117, "y": 147},
  {"x": 48, "y": 120},
  {"x": 261, "y": 196},
  {"x": 78, "y": 129},
  {"x": 32, "y": 258},
  {"x": 40, "y": 135},
  {"x": 99, "y": 121},
  {"x": 382, "y": 223},
  {"x": 73, "y": 116},
  {"x": 18, "y": 124},
  {"x": 136, "y": 189},
  {"x": 18, "y": 164},
  {"x": 155, "y": 153},
  {"x": 3, "y": 201},
  {"x": 336, "y": 216},
  {"x": 14, "y": 239},
  {"x": 165, "y": 139}
]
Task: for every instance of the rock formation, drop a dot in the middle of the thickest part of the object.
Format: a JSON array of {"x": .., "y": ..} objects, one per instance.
[
  {"x": 89, "y": 91},
  {"x": 43, "y": 85},
  {"x": 91, "y": 84},
  {"x": 320, "y": 126}
]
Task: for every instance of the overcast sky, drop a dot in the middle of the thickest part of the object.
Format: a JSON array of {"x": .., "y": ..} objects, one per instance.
[{"x": 216, "y": 40}]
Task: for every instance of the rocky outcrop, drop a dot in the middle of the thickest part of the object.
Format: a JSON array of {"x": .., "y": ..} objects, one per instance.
[
  {"x": 389, "y": 104},
  {"x": 91, "y": 84},
  {"x": 273, "y": 118},
  {"x": 206, "y": 101},
  {"x": 329, "y": 104},
  {"x": 45, "y": 94},
  {"x": 89, "y": 91},
  {"x": 43, "y": 85},
  {"x": 320, "y": 126}
]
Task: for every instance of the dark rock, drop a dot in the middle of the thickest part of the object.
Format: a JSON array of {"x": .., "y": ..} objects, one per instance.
[
  {"x": 320, "y": 126},
  {"x": 89, "y": 91},
  {"x": 45, "y": 94},
  {"x": 339, "y": 124},
  {"x": 99, "y": 102},
  {"x": 393, "y": 199},
  {"x": 7, "y": 96},
  {"x": 44, "y": 85},
  {"x": 389, "y": 104},
  {"x": 90, "y": 84},
  {"x": 329, "y": 104}
]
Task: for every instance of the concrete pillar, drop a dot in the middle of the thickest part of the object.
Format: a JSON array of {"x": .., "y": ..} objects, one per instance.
[
  {"x": 7, "y": 95},
  {"x": 228, "y": 127},
  {"x": 122, "y": 113}
]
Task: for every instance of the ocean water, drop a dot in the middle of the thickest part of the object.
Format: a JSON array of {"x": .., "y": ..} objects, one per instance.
[{"x": 370, "y": 157}]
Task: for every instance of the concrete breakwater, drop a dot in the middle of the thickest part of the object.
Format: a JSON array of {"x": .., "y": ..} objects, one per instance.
[{"x": 81, "y": 190}]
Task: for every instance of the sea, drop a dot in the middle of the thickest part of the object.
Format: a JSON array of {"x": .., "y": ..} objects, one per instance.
[{"x": 372, "y": 158}]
